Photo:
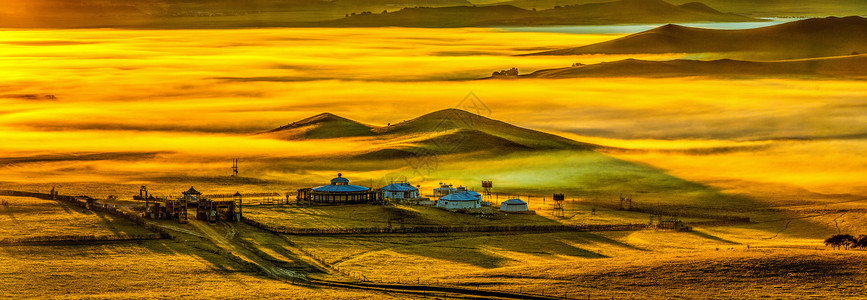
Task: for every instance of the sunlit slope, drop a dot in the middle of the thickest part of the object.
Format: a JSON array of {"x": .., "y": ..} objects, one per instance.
[
  {"x": 614, "y": 12},
  {"x": 321, "y": 126},
  {"x": 448, "y": 131},
  {"x": 844, "y": 67},
  {"x": 830, "y": 36}
]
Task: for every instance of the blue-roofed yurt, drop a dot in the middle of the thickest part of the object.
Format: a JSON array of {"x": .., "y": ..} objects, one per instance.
[
  {"x": 399, "y": 190},
  {"x": 513, "y": 205},
  {"x": 338, "y": 192},
  {"x": 459, "y": 200}
]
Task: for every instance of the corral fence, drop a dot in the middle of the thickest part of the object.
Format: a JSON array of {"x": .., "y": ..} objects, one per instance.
[
  {"x": 91, "y": 204},
  {"x": 442, "y": 229}
]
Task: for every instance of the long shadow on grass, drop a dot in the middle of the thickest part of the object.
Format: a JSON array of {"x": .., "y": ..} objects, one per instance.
[
  {"x": 483, "y": 251},
  {"x": 587, "y": 237},
  {"x": 711, "y": 237}
]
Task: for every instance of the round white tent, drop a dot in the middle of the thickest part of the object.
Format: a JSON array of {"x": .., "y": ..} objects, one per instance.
[
  {"x": 400, "y": 190},
  {"x": 462, "y": 200},
  {"x": 513, "y": 205}
]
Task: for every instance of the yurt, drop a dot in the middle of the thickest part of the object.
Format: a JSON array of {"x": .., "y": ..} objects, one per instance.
[
  {"x": 459, "y": 200},
  {"x": 399, "y": 190},
  {"x": 443, "y": 190},
  {"x": 338, "y": 192},
  {"x": 513, "y": 205}
]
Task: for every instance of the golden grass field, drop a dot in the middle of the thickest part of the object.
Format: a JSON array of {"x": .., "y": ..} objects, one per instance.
[{"x": 31, "y": 217}]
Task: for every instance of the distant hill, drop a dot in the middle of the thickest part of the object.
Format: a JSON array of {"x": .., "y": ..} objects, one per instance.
[
  {"x": 190, "y": 13},
  {"x": 614, "y": 12},
  {"x": 847, "y": 67},
  {"x": 448, "y": 131},
  {"x": 810, "y": 38},
  {"x": 752, "y": 8}
]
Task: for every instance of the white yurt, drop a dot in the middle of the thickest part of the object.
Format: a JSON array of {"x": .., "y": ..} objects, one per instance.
[
  {"x": 459, "y": 200},
  {"x": 513, "y": 205},
  {"x": 399, "y": 190}
]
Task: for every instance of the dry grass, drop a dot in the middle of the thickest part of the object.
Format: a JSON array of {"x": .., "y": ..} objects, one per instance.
[
  {"x": 29, "y": 217},
  {"x": 154, "y": 269},
  {"x": 363, "y": 216},
  {"x": 644, "y": 264}
]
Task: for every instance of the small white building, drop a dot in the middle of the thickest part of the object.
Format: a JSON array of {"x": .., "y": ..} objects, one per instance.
[
  {"x": 400, "y": 190},
  {"x": 459, "y": 200},
  {"x": 513, "y": 205},
  {"x": 443, "y": 190}
]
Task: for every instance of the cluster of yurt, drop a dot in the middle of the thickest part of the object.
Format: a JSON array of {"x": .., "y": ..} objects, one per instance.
[{"x": 339, "y": 191}]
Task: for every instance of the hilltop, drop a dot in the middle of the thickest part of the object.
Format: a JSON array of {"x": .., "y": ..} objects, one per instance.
[
  {"x": 614, "y": 12},
  {"x": 324, "y": 125},
  {"x": 849, "y": 67},
  {"x": 809, "y": 38},
  {"x": 447, "y": 131}
]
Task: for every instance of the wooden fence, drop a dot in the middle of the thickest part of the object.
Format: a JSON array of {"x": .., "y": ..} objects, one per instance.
[{"x": 442, "y": 229}]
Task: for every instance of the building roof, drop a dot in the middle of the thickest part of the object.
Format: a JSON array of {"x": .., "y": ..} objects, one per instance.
[
  {"x": 463, "y": 196},
  {"x": 400, "y": 187},
  {"x": 340, "y": 188},
  {"x": 514, "y": 202},
  {"x": 339, "y": 179},
  {"x": 192, "y": 191}
]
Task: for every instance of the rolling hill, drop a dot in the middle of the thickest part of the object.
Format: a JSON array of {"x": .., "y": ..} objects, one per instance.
[
  {"x": 321, "y": 126},
  {"x": 845, "y": 67},
  {"x": 809, "y": 38},
  {"x": 759, "y": 9},
  {"x": 449, "y": 131},
  {"x": 614, "y": 12}
]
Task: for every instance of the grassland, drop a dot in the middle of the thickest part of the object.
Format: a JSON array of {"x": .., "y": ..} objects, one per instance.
[
  {"x": 366, "y": 216},
  {"x": 643, "y": 264},
  {"x": 30, "y": 217},
  {"x": 153, "y": 269}
]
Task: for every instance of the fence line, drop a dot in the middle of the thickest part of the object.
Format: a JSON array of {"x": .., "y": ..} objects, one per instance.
[
  {"x": 248, "y": 195},
  {"x": 442, "y": 229}
]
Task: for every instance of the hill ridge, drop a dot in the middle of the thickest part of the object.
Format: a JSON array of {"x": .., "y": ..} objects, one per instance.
[
  {"x": 839, "y": 67},
  {"x": 809, "y": 38},
  {"x": 445, "y": 131}
]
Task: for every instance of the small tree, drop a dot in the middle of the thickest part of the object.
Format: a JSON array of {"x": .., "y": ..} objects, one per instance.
[{"x": 841, "y": 240}]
